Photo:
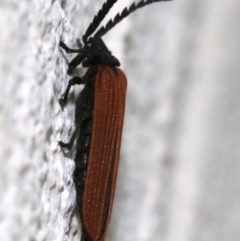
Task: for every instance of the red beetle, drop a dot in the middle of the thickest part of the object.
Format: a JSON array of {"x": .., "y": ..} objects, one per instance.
[{"x": 99, "y": 117}]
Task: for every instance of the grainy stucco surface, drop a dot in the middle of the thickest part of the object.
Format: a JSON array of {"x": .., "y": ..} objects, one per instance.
[{"x": 179, "y": 171}]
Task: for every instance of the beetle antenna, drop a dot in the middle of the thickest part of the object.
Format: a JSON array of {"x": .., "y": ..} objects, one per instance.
[
  {"x": 98, "y": 18},
  {"x": 120, "y": 16}
]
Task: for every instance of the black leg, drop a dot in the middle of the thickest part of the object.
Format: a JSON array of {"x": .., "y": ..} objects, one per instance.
[
  {"x": 91, "y": 72},
  {"x": 78, "y": 59},
  {"x": 69, "y": 145},
  {"x": 67, "y": 49},
  {"x": 75, "y": 80}
]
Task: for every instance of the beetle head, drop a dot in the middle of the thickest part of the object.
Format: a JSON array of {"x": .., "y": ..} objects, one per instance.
[{"x": 98, "y": 53}]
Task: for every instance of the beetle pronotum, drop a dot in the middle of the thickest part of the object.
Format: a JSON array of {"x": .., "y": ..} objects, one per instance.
[{"x": 99, "y": 117}]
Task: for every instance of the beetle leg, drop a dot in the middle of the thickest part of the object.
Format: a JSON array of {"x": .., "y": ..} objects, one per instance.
[
  {"x": 69, "y": 145},
  {"x": 75, "y": 80},
  {"x": 77, "y": 60},
  {"x": 67, "y": 49}
]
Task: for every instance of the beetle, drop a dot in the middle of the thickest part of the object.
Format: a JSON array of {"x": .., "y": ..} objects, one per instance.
[{"x": 99, "y": 115}]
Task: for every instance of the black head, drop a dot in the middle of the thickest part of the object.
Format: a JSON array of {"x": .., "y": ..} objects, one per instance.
[{"x": 97, "y": 53}]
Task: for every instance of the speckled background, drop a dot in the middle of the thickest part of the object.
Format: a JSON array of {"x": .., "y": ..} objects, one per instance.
[{"x": 179, "y": 171}]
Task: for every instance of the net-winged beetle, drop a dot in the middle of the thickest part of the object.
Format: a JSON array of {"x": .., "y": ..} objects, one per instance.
[{"x": 99, "y": 117}]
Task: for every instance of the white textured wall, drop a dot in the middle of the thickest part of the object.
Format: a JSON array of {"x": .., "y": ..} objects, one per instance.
[{"x": 179, "y": 172}]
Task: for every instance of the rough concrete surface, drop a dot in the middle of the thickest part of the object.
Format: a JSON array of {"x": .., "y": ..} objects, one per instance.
[{"x": 179, "y": 174}]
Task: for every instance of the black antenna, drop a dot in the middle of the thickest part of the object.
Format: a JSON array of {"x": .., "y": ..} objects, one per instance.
[
  {"x": 98, "y": 18},
  {"x": 124, "y": 13}
]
